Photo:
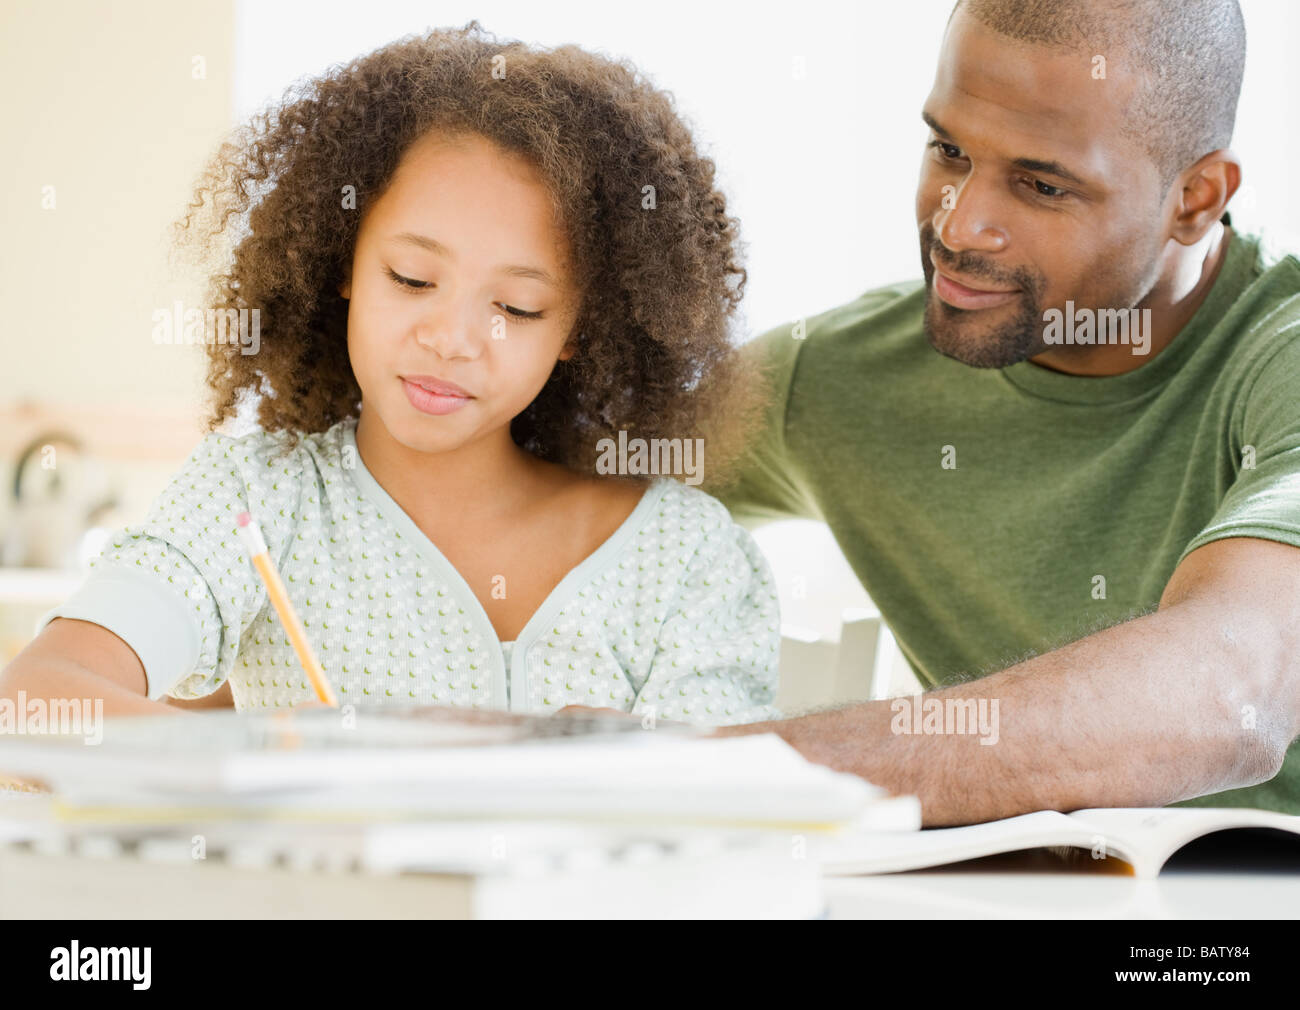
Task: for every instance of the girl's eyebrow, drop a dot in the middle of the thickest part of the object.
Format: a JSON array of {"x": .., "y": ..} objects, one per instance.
[{"x": 436, "y": 247}]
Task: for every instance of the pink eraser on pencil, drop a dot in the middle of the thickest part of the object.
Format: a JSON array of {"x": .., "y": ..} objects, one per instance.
[{"x": 250, "y": 534}]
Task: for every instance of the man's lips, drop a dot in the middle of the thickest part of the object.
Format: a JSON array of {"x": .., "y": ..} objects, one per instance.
[
  {"x": 963, "y": 296},
  {"x": 432, "y": 395}
]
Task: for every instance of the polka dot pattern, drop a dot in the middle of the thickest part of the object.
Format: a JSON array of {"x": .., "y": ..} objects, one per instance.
[{"x": 676, "y": 615}]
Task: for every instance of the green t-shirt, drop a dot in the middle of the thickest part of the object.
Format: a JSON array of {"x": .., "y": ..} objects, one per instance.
[{"x": 982, "y": 508}]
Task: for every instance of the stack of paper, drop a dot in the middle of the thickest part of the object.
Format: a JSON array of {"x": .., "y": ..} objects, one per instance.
[{"x": 542, "y": 804}]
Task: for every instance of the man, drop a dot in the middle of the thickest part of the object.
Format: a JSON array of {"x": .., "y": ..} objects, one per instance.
[{"x": 1063, "y": 470}]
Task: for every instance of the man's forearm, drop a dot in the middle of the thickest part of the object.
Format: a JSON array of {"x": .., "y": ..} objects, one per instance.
[{"x": 1176, "y": 704}]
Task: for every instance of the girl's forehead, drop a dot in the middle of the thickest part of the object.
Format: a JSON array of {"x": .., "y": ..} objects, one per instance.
[
  {"x": 439, "y": 157},
  {"x": 471, "y": 195}
]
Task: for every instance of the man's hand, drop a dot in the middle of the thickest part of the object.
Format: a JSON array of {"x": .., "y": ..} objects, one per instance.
[{"x": 1201, "y": 696}]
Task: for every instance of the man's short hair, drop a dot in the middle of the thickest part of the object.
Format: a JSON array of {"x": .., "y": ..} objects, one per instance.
[{"x": 1189, "y": 56}]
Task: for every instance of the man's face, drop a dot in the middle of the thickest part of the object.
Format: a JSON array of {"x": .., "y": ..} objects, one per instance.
[{"x": 1030, "y": 195}]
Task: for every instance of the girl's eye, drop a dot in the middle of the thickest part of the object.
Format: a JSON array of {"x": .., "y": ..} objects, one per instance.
[
  {"x": 407, "y": 282},
  {"x": 521, "y": 313}
]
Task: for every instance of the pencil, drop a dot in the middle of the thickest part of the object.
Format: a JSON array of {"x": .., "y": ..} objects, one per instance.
[{"x": 251, "y": 534}]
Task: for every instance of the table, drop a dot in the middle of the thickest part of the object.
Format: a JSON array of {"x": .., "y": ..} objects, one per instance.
[{"x": 1018, "y": 886}]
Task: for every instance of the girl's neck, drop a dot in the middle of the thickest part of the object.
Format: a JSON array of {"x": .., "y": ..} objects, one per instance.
[{"x": 486, "y": 478}]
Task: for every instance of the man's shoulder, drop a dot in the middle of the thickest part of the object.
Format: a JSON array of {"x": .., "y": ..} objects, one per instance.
[
  {"x": 1266, "y": 312},
  {"x": 892, "y": 308},
  {"x": 1275, "y": 254},
  {"x": 1272, "y": 275}
]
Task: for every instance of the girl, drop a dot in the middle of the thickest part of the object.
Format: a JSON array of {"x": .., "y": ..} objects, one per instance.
[{"x": 475, "y": 262}]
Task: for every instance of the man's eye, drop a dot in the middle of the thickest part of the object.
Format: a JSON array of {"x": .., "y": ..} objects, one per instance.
[
  {"x": 407, "y": 282},
  {"x": 949, "y": 151},
  {"x": 1043, "y": 189}
]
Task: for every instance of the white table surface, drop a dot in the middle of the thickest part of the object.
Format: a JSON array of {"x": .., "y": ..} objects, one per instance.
[
  {"x": 1001, "y": 891},
  {"x": 1026, "y": 885}
]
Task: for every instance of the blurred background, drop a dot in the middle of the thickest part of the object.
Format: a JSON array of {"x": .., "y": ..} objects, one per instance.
[{"x": 111, "y": 109}]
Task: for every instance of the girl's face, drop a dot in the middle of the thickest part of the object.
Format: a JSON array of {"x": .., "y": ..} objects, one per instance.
[{"x": 460, "y": 295}]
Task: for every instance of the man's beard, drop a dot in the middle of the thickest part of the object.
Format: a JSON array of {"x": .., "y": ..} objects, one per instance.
[{"x": 952, "y": 332}]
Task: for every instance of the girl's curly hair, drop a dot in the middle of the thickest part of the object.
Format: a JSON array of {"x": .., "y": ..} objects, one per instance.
[{"x": 659, "y": 279}]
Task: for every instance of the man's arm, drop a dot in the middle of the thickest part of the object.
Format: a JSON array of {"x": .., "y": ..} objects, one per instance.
[{"x": 1201, "y": 696}]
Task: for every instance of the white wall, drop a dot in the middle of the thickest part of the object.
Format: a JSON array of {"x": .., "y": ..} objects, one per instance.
[{"x": 105, "y": 126}]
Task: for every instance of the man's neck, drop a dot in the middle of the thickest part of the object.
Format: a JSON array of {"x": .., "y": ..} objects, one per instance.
[{"x": 1172, "y": 302}]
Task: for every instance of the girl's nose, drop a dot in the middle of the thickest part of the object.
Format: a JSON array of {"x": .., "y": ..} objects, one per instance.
[{"x": 453, "y": 330}]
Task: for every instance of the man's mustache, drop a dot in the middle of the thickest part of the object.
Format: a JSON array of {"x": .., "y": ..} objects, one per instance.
[{"x": 970, "y": 265}]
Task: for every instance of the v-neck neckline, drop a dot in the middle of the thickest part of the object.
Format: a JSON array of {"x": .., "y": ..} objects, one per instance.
[{"x": 555, "y": 600}]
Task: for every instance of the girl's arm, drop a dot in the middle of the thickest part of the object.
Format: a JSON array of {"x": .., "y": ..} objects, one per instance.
[
  {"x": 222, "y": 697},
  {"x": 163, "y": 609},
  {"x": 73, "y": 659}
]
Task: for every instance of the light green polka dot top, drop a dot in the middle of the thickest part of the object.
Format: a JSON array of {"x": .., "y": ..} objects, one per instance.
[{"x": 675, "y": 614}]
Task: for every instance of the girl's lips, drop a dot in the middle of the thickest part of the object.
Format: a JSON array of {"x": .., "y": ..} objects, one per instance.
[
  {"x": 429, "y": 402},
  {"x": 436, "y": 385},
  {"x": 961, "y": 297}
]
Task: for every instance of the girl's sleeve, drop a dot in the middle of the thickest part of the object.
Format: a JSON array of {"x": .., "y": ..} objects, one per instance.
[
  {"x": 716, "y": 656},
  {"x": 179, "y": 588}
]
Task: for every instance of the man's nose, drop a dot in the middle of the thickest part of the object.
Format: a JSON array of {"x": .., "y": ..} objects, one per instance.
[{"x": 968, "y": 219}]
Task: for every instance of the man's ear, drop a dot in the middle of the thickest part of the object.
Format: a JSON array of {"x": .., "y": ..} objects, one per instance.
[{"x": 1206, "y": 188}]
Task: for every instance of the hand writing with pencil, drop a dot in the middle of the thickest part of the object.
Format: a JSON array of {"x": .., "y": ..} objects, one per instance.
[{"x": 590, "y": 710}]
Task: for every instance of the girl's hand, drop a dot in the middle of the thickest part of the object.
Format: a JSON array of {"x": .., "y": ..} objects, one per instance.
[
  {"x": 12, "y": 783},
  {"x": 571, "y": 709},
  {"x": 312, "y": 703}
]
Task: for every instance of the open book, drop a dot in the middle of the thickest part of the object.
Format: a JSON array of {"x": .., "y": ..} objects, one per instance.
[{"x": 1143, "y": 837}]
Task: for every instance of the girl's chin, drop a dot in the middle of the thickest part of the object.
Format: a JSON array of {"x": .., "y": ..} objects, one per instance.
[
  {"x": 399, "y": 422},
  {"x": 433, "y": 434}
]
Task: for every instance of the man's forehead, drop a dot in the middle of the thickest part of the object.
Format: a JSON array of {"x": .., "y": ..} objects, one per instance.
[{"x": 1028, "y": 100}]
